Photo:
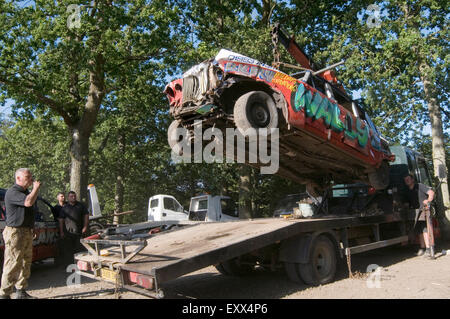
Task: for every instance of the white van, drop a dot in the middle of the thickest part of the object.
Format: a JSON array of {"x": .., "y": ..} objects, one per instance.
[
  {"x": 213, "y": 208},
  {"x": 165, "y": 207}
]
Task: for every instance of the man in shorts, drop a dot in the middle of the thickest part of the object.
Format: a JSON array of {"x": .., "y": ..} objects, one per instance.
[{"x": 420, "y": 196}]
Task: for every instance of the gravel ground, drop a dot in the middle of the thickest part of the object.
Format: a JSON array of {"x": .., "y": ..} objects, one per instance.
[{"x": 403, "y": 276}]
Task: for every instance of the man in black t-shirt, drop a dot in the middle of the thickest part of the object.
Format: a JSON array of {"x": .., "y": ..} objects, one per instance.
[
  {"x": 18, "y": 235},
  {"x": 419, "y": 196},
  {"x": 56, "y": 210},
  {"x": 73, "y": 223}
]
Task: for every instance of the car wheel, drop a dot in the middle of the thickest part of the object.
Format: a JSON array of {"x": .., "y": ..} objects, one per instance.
[{"x": 255, "y": 109}]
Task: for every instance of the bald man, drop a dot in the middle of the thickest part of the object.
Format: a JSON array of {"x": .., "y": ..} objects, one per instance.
[{"x": 18, "y": 235}]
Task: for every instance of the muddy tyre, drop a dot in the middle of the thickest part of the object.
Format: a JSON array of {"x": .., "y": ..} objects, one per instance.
[
  {"x": 379, "y": 179},
  {"x": 322, "y": 264},
  {"x": 255, "y": 109},
  {"x": 292, "y": 272}
]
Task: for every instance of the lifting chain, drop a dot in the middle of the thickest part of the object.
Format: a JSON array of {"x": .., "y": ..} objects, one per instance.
[
  {"x": 349, "y": 263},
  {"x": 276, "y": 52},
  {"x": 118, "y": 281}
]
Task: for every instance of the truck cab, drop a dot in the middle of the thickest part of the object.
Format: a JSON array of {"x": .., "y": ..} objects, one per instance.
[
  {"x": 165, "y": 207},
  {"x": 213, "y": 208},
  {"x": 408, "y": 161}
]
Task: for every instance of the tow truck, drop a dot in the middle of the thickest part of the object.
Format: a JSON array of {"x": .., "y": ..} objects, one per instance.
[{"x": 307, "y": 248}]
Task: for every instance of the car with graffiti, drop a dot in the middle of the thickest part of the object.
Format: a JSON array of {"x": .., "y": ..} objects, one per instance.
[
  {"x": 45, "y": 243},
  {"x": 325, "y": 136}
]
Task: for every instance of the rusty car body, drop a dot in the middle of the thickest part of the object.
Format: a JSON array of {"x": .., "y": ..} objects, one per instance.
[{"x": 325, "y": 136}]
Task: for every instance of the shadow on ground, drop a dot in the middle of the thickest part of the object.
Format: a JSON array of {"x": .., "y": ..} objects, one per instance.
[
  {"x": 210, "y": 284},
  {"x": 276, "y": 285}
]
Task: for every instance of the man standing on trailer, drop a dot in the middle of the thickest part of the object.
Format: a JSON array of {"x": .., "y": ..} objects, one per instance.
[
  {"x": 420, "y": 196},
  {"x": 74, "y": 222},
  {"x": 18, "y": 235}
]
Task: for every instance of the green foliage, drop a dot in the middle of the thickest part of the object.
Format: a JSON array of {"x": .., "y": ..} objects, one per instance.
[
  {"x": 124, "y": 52},
  {"x": 40, "y": 145},
  {"x": 387, "y": 62}
]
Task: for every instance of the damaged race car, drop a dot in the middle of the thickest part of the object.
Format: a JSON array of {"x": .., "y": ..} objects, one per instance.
[{"x": 325, "y": 137}]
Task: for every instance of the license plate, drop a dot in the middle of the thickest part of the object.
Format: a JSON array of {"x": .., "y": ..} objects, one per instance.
[{"x": 108, "y": 274}]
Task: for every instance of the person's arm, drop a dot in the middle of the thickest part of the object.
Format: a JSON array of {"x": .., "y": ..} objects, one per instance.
[
  {"x": 430, "y": 198},
  {"x": 61, "y": 224},
  {"x": 31, "y": 197},
  {"x": 86, "y": 223}
]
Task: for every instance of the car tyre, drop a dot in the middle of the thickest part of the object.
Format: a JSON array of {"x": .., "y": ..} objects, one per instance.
[{"x": 257, "y": 110}]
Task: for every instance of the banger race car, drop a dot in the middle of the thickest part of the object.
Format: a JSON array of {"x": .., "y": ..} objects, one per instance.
[
  {"x": 325, "y": 136},
  {"x": 46, "y": 228}
]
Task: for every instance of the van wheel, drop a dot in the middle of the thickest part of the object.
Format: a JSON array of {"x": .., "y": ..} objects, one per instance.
[
  {"x": 379, "y": 179},
  {"x": 255, "y": 109},
  {"x": 322, "y": 263},
  {"x": 233, "y": 267}
]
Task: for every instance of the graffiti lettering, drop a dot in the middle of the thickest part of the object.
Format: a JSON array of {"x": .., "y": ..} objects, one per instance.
[
  {"x": 249, "y": 70},
  {"x": 45, "y": 237},
  {"x": 363, "y": 132},
  {"x": 242, "y": 59},
  {"x": 318, "y": 107},
  {"x": 284, "y": 80},
  {"x": 375, "y": 140},
  {"x": 266, "y": 75}
]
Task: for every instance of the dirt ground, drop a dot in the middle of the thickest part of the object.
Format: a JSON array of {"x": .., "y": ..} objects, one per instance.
[{"x": 403, "y": 275}]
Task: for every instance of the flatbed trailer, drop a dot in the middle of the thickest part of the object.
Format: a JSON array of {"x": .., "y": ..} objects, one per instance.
[{"x": 308, "y": 249}]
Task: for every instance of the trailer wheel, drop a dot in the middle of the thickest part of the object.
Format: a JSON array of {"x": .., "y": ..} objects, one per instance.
[
  {"x": 379, "y": 179},
  {"x": 255, "y": 109},
  {"x": 233, "y": 267},
  {"x": 292, "y": 272},
  {"x": 321, "y": 266}
]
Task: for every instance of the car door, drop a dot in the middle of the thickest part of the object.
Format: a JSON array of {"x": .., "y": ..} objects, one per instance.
[
  {"x": 172, "y": 210},
  {"x": 153, "y": 209}
]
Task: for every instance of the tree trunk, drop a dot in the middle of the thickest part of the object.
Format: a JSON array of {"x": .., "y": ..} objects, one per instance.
[
  {"x": 118, "y": 198},
  {"x": 79, "y": 155},
  {"x": 245, "y": 203},
  {"x": 266, "y": 11},
  {"x": 437, "y": 135},
  {"x": 81, "y": 131}
]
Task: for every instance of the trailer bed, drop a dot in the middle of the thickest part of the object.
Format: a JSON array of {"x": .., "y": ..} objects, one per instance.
[{"x": 173, "y": 254}]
